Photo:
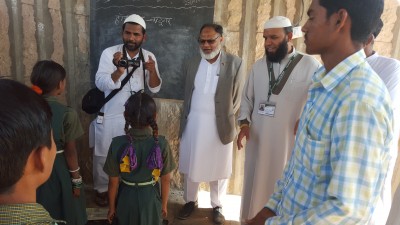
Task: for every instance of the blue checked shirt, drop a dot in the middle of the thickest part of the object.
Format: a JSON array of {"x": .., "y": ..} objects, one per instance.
[{"x": 341, "y": 155}]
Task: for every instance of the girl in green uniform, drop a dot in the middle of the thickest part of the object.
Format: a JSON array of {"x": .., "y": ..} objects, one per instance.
[
  {"x": 134, "y": 164},
  {"x": 63, "y": 194}
]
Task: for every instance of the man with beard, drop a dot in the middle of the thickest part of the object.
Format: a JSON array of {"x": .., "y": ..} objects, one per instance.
[
  {"x": 213, "y": 89},
  {"x": 273, "y": 97},
  {"x": 110, "y": 120},
  {"x": 341, "y": 154}
]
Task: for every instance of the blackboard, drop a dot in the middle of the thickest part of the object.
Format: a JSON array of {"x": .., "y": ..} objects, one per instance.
[{"x": 172, "y": 31}]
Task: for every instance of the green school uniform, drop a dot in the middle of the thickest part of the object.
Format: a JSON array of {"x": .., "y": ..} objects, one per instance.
[
  {"x": 56, "y": 194},
  {"x": 138, "y": 205}
]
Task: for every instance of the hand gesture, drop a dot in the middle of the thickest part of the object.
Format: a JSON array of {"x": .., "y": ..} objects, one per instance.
[
  {"x": 244, "y": 132},
  {"x": 150, "y": 65},
  {"x": 76, "y": 192},
  {"x": 261, "y": 217},
  {"x": 296, "y": 126},
  {"x": 118, "y": 56},
  {"x": 164, "y": 212},
  {"x": 110, "y": 215}
]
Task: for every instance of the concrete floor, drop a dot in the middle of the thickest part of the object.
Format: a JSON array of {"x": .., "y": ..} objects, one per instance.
[{"x": 201, "y": 216}]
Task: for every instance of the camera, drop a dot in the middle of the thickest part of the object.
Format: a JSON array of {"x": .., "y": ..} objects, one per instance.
[{"x": 129, "y": 62}]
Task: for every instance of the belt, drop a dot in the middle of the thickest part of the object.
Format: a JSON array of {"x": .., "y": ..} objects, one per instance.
[
  {"x": 60, "y": 151},
  {"x": 152, "y": 182}
]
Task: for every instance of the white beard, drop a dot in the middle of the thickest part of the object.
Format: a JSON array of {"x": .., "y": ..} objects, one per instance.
[{"x": 212, "y": 54}]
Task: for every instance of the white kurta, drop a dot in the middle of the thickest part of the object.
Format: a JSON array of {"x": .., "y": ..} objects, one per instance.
[
  {"x": 271, "y": 138},
  {"x": 113, "y": 123},
  {"x": 202, "y": 155},
  {"x": 388, "y": 70}
]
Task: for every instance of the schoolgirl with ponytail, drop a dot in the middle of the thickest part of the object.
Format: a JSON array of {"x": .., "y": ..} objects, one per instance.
[
  {"x": 63, "y": 193},
  {"x": 135, "y": 163}
]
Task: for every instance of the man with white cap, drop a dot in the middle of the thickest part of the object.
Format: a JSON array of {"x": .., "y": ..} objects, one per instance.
[
  {"x": 341, "y": 154},
  {"x": 110, "y": 121},
  {"x": 213, "y": 86},
  {"x": 272, "y": 100}
]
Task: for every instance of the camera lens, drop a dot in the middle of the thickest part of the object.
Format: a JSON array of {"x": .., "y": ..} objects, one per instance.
[{"x": 122, "y": 63}]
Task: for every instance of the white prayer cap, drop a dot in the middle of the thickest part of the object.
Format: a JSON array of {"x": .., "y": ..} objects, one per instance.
[
  {"x": 136, "y": 19},
  {"x": 277, "y": 22}
]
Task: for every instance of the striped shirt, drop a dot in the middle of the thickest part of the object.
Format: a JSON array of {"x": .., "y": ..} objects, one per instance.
[
  {"x": 341, "y": 155},
  {"x": 28, "y": 213}
]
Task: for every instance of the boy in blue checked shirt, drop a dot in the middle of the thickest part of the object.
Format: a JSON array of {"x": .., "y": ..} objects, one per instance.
[
  {"x": 27, "y": 153},
  {"x": 341, "y": 155}
]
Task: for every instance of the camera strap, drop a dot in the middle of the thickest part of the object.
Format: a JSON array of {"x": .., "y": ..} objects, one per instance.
[{"x": 144, "y": 72}]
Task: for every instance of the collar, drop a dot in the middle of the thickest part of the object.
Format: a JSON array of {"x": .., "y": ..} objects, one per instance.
[
  {"x": 142, "y": 133},
  {"x": 26, "y": 213},
  {"x": 372, "y": 57},
  {"x": 127, "y": 54},
  {"x": 331, "y": 79},
  {"x": 291, "y": 54}
]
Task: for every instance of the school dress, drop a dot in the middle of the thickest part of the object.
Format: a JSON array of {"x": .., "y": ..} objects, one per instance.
[
  {"x": 138, "y": 205},
  {"x": 56, "y": 193}
]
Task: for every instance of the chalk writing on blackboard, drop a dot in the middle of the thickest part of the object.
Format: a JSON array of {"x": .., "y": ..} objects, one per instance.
[
  {"x": 191, "y": 2},
  {"x": 160, "y": 21},
  {"x": 171, "y": 35},
  {"x": 156, "y": 7}
]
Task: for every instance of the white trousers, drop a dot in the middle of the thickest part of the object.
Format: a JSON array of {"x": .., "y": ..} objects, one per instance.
[
  {"x": 100, "y": 178},
  {"x": 217, "y": 191}
]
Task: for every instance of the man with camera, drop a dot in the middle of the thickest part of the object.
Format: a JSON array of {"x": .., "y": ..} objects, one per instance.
[{"x": 116, "y": 63}]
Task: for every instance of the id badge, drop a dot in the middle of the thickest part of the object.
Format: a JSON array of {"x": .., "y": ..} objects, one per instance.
[
  {"x": 267, "y": 109},
  {"x": 100, "y": 119}
]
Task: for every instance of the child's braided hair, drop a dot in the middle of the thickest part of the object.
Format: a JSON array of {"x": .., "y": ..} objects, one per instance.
[{"x": 140, "y": 111}]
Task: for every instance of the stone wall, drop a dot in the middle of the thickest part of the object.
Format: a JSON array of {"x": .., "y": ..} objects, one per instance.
[{"x": 32, "y": 30}]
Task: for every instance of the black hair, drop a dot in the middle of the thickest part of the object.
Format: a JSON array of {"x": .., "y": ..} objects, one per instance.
[
  {"x": 140, "y": 111},
  {"x": 25, "y": 125},
  {"x": 378, "y": 28},
  {"x": 47, "y": 74},
  {"x": 143, "y": 30},
  {"x": 288, "y": 30},
  {"x": 218, "y": 28},
  {"x": 364, "y": 15}
]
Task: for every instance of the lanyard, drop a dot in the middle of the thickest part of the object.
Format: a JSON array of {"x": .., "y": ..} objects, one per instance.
[{"x": 272, "y": 85}]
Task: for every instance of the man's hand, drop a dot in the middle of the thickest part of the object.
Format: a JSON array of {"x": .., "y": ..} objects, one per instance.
[
  {"x": 261, "y": 217},
  {"x": 76, "y": 192},
  {"x": 150, "y": 65},
  {"x": 120, "y": 70},
  {"x": 244, "y": 132},
  {"x": 110, "y": 215},
  {"x": 296, "y": 126},
  {"x": 164, "y": 212}
]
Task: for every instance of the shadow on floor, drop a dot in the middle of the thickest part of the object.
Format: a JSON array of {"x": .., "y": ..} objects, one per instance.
[{"x": 201, "y": 216}]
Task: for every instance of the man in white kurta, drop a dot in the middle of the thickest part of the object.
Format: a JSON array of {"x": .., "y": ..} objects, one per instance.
[
  {"x": 212, "y": 96},
  {"x": 269, "y": 125},
  {"x": 388, "y": 70},
  {"x": 110, "y": 122}
]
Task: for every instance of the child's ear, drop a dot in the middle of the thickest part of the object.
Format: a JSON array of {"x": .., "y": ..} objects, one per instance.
[
  {"x": 41, "y": 162},
  {"x": 39, "y": 159},
  {"x": 34, "y": 166}
]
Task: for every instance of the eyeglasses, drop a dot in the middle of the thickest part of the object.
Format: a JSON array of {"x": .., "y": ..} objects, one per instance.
[{"x": 209, "y": 41}]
